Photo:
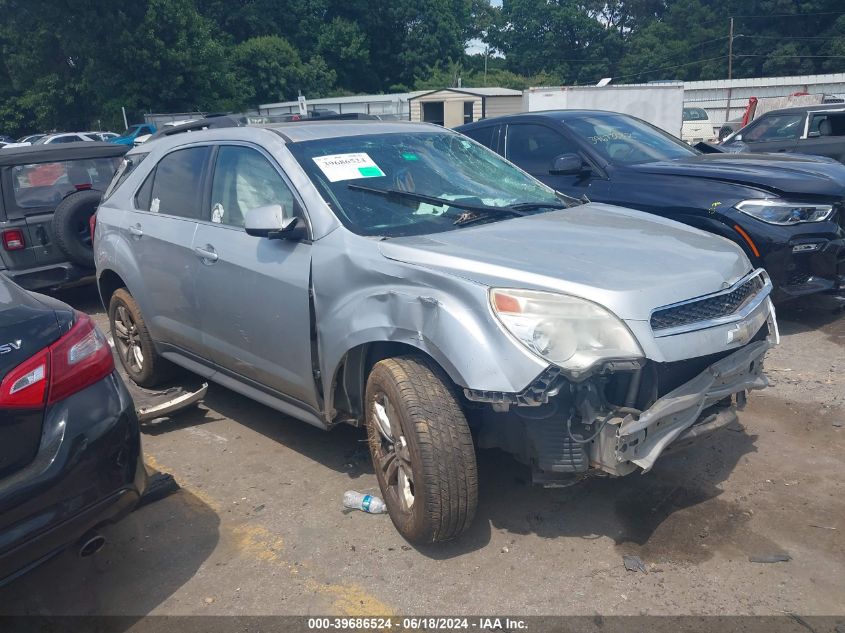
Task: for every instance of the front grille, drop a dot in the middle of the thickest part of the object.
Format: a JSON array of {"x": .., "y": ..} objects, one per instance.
[{"x": 707, "y": 309}]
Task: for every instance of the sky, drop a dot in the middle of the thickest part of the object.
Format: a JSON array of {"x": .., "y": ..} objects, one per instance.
[{"x": 476, "y": 46}]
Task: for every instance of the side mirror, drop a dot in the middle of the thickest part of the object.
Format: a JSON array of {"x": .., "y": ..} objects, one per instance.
[
  {"x": 815, "y": 134},
  {"x": 567, "y": 164},
  {"x": 738, "y": 137},
  {"x": 272, "y": 222}
]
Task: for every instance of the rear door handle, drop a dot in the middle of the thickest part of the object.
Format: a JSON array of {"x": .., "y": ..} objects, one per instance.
[
  {"x": 136, "y": 230},
  {"x": 206, "y": 253}
]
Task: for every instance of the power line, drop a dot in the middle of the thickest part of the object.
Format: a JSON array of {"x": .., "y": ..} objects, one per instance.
[
  {"x": 787, "y": 37},
  {"x": 790, "y": 15},
  {"x": 796, "y": 56},
  {"x": 654, "y": 70}
]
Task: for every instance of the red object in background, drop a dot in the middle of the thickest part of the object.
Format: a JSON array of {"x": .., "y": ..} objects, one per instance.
[
  {"x": 45, "y": 174},
  {"x": 748, "y": 116}
]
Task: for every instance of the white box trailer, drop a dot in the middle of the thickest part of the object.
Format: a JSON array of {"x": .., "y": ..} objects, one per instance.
[{"x": 660, "y": 104}]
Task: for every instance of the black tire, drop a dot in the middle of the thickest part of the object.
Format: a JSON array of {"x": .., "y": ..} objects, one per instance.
[
  {"x": 133, "y": 343},
  {"x": 437, "y": 449},
  {"x": 71, "y": 230}
]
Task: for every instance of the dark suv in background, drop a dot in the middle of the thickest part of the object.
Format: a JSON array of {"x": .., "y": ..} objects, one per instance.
[
  {"x": 48, "y": 194},
  {"x": 785, "y": 211},
  {"x": 818, "y": 130}
]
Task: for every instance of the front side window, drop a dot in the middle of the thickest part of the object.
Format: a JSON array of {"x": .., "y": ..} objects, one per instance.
[
  {"x": 411, "y": 183},
  {"x": 485, "y": 135},
  {"x": 46, "y": 184},
  {"x": 625, "y": 140},
  {"x": 775, "y": 127},
  {"x": 535, "y": 147},
  {"x": 178, "y": 182},
  {"x": 244, "y": 180}
]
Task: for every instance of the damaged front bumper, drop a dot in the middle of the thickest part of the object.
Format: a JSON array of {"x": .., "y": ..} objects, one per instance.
[{"x": 698, "y": 407}]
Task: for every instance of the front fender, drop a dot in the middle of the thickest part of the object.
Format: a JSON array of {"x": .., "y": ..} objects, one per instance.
[{"x": 367, "y": 298}]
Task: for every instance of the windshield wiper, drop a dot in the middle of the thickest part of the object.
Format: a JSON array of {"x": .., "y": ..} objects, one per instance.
[
  {"x": 440, "y": 202},
  {"x": 532, "y": 206}
]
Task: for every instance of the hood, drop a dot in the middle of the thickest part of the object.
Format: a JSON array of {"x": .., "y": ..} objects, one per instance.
[
  {"x": 627, "y": 261},
  {"x": 781, "y": 173}
]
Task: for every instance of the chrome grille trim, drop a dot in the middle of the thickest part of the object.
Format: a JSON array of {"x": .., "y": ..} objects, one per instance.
[{"x": 727, "y": 306}]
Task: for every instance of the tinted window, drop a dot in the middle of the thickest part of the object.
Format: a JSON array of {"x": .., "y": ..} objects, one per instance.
[
  {"x": 484, "y": 135},
  {"x": 126, "y": 167},
  {"x": 625, "y": 140},
  {"x": 244, "y": 180},
  {"x": 145, "y": 193},
  {"x": 827, "y": 124},
  {"x": 775, "y": 127},
  {"x": 178, "y": 183},
  {"x": 45, "y": 184},
  {"x": 534, "y": 147}
]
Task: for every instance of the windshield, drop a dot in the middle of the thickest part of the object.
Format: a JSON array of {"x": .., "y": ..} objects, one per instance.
[
  {"x": 419, "y": 169},
  {"x": 624, "y": 140}
]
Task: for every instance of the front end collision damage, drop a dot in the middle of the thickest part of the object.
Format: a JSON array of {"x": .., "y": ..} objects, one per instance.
[{"x": 621, "y": 417}]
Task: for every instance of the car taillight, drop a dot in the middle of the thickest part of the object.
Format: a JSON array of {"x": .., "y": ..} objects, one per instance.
[
  {"x": 77, "y": 360},
  {"x": 13, "y": 240},
  {"x": 92, "y": 225},
  {"x": 25, "y": 387}
]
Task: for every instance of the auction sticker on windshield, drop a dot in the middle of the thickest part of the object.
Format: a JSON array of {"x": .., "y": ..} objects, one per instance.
[{"x": 348, "y": 166}]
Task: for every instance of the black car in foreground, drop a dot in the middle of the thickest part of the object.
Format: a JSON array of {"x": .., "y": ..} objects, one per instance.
[
  {"x": 786, "y": 211},
  {"x": 48, "y": 194},
  {"x": 70, "y": 447}
]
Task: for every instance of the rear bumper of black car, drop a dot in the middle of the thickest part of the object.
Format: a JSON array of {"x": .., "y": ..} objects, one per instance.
[
  {"x": 88, "y": 472},
  {"x": 60, "y": 275}
]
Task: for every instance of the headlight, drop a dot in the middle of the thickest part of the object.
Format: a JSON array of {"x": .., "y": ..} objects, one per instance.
[
  {"x": 783, "y": 212},
  {"x": 572, "y": 333}
]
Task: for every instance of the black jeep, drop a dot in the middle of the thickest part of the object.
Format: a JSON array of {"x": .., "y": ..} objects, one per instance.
[{"x": 48, "y": 194}]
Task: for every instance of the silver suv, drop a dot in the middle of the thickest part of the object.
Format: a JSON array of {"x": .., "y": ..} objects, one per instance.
[{"x": 404, "y": 278}]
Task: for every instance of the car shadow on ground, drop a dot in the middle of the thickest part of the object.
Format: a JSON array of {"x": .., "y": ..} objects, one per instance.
[
  {"x": 179, "y": 529},
  {"x": 797, "y": 317}
]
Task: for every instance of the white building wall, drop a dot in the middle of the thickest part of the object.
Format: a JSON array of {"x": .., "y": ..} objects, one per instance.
[{"x": 725, "y": 99}]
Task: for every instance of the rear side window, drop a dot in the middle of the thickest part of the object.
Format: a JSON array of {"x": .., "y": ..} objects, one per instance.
[
  {"x": 46, "y": 184},
  {"x": 177, "y": 185},
  {"x": 827, "y": 124},
  {"x": 126, "y": 167}
]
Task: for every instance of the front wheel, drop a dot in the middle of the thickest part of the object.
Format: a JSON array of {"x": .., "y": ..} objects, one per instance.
[{"x": 422, "y": 450}]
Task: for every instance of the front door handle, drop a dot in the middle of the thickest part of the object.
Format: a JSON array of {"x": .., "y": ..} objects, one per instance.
[
  {"x": 136, "y": 231},
  {"x": 206, "y": 253}
]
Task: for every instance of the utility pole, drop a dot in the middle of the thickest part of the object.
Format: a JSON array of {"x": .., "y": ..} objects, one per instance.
[
  {"x": 730, "y": 69},
  {"x": 731, "y": 51}
]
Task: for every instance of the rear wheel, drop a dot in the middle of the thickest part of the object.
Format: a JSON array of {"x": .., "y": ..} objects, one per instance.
[
  {"x": 422, "y": 449},
  {"x": 133, "y": 343}
]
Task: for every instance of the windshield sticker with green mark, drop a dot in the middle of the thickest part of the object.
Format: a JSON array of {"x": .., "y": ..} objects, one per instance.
[{"x": 348, "y": 166}]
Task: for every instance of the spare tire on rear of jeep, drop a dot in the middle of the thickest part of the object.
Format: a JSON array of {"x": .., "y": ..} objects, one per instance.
[{"x": 71, "y": 229}]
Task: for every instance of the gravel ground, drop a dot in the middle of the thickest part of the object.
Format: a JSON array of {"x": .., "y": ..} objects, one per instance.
[{"x": 258, "y": 526}]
